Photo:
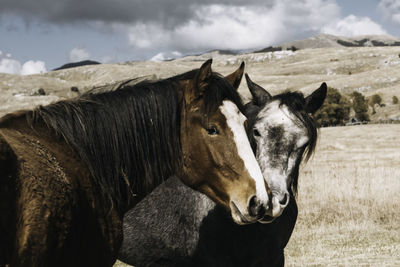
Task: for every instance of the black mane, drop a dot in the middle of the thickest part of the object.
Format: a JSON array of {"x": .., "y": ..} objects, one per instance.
[
  {"x": 130, "y": 137},
  {"x": 296, "y": 103}
]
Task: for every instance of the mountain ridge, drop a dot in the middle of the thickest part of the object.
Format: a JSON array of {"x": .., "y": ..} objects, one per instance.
[{"x": 328, "y": 40}]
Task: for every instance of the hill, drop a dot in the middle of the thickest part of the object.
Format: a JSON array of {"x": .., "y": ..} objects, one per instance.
[
  {"x": 77, "y": 64},
  {"x": 331, "y": 41},
  {"x": 369, "y": 70}
]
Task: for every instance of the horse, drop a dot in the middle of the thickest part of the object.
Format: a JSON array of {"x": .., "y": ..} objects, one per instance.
[
  {"x": 175, "y": 226},
  {"x": 70, "y": 170}
]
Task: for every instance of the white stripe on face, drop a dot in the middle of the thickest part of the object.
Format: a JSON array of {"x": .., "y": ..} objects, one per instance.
[{"x": 235, "y": 120}]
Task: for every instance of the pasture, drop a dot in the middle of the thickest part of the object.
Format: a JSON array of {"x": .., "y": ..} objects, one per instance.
[{"x": 349, "y": 200}]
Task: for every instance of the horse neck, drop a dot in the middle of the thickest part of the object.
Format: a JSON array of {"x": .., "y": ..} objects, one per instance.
[{"x": 129, "y": 139}]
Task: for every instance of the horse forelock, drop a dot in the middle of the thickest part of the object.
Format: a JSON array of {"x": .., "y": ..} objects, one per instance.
[
  {"x": 218, "y": 90},
  {"x": 127, "y": 136}
]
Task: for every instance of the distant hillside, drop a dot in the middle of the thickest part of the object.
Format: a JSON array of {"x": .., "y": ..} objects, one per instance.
[
  {"x": 331, "y": 41},
  {"x": 77, "y": 64},
  {"x": 224, "y": 52},
  {"x": 368, "y": 70}
]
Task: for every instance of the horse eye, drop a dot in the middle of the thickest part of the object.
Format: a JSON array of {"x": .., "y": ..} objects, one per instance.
[
  {"x": 256, "y": 132},
  {"x": 212, "y": 130}
]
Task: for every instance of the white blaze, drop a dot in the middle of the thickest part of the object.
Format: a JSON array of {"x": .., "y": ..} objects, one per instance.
[{"x": 235, "y": 120}]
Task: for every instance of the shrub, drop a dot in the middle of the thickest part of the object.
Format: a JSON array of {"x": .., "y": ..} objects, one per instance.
[
  {"x": 395, "y": 100},
  {"x": 41, "y": 91},
  {"x": 360, "y": 106},
  {"x": 334, "y": 111},
  {"x": 74, "y": 89},
  {"x": 375, "y": 99}
]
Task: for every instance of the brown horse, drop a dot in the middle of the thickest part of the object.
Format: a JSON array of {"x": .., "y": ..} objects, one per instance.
[
  {"x": 176, "y": 226},
  {"x": 70, "y": 170}
]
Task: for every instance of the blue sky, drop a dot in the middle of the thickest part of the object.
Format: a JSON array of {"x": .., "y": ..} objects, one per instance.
[{"x": 37, "y": 36}]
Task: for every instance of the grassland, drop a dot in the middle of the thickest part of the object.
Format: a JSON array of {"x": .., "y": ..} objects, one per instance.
[{"x": 349, "y": 200}]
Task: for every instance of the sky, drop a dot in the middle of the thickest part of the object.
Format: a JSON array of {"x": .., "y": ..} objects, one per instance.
[{"x": 38, "y": 36}]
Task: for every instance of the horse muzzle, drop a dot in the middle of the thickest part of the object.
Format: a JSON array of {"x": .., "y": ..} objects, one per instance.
[
  {"x": 278, "y": 204},
  {"x": 255, "y": 211}
]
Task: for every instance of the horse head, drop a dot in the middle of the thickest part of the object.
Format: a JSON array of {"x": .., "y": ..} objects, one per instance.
[
  {"x": 284, "y": 131},
  {"x": 216, "y": 153}
]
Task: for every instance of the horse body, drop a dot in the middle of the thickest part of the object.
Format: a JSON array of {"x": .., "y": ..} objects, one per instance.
[
  {"x": 176, "y": 226},
  {"x": 190, "y": 230},
  {"x": 70, "y": 170},
  {"x": 57, "y": 218}
]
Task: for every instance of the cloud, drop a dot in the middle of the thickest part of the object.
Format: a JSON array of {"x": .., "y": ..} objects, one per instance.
[
  {"x": 352, "y": 26},
  {"x": 78, "y": 54},
  {"x": 12, "y": 66},
  {"x": 236, "y": 27},
  {"x": 167, "y": 12},
  {"x": 193, "y": 26},
  {"x": 390, "y": 9},
  {"x": 174, "y": 15},
  {"x": 166, "y": 56},
  {"x": 33, "y": 67}
]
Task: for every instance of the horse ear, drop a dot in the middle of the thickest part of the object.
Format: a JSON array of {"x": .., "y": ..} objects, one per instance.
[
  {"x": 316, "y": 99},
  {"x": 260, "y": 95},
  {"x": 200, "y": 82},
  {"x": 236, "y": 77},
  {"x": 203, "y": 77}
]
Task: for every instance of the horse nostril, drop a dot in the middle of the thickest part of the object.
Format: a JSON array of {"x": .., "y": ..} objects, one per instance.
[
  {"x": 284, "y": 200},
  {"x": 256, "y": 209}
]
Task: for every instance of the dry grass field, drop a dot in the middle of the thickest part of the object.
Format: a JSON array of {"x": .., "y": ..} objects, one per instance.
[{"x": 349, "y": 200}]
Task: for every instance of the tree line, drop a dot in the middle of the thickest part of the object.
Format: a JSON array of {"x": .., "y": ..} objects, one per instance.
[{"x": 337, "y": 107}]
